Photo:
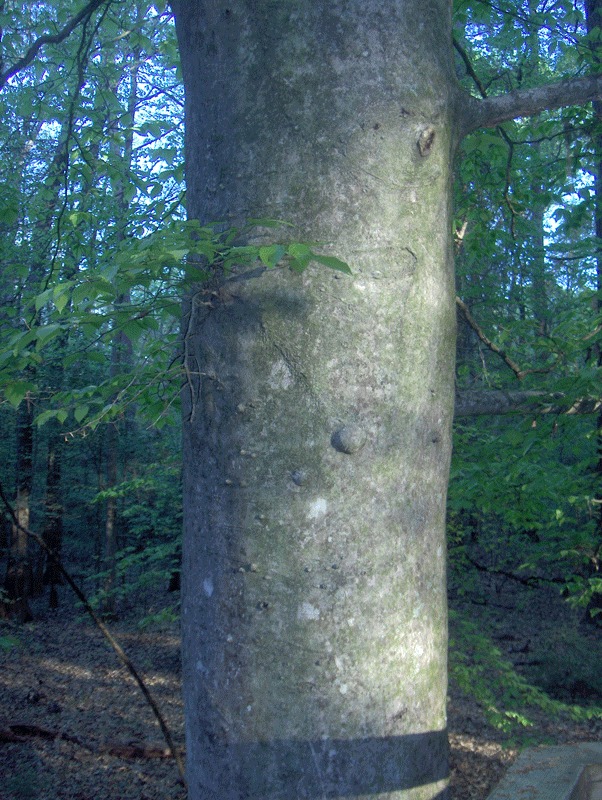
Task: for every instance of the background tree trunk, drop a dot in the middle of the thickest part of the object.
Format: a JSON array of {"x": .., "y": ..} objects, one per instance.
[
  {"x": 18, "y": 582},
  {"x": 121, "y": 349},
  {"x": 53, "y": 511},
  {"x": 593, "y": 10},
  {"x": 317, "y": 421}
]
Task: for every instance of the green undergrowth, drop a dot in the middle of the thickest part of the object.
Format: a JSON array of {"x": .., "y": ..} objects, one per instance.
[{"x": 509, "y": 701}]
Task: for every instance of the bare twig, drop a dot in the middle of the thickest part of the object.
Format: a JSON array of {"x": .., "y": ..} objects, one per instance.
[
  {"x": 470, "y": 70},
  {"x": 531, "y": 581},
  {"x": 520, "y": 374},
  {"x": 23, "y": 731}
]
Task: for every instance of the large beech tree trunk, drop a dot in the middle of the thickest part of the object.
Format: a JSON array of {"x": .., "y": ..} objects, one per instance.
[
  {"x": 317, "y": 434},
  {"x": 318, "y": 408}
]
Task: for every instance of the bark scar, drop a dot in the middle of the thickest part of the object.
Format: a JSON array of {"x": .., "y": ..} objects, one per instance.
[
  {"x": 295, "y": 367},
  {"x": 426, "y": 141}
]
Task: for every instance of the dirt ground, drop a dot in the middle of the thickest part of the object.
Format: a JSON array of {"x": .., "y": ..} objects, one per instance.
[{"x": 66, "y": 685}]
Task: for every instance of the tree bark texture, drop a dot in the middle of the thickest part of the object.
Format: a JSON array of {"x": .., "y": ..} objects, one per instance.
[{"x": 318, "y": 408}]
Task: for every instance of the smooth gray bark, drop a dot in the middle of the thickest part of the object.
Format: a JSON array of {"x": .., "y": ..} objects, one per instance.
[
  {"x": 318, "y": 408},
  {"x": 492, "y": 111}
]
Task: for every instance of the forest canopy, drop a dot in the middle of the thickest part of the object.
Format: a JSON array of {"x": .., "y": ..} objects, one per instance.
[{"x": 96, "y": 255}]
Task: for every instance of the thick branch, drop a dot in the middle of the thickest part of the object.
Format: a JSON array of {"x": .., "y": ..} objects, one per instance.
[
  {"x": 491, "y": 111},
  {"x": 57, "y": 38},
  {"x": 479, "y": 402}
]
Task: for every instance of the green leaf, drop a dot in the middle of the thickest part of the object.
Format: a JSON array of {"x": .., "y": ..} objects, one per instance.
[
  {"x": 61, "y": 296},
  {"x": 332, "y": 263},
  {"x": 82, "y": 292},
  {"x": 16, "y": 391},
  {"x": 132, "y": 329},
  {"x": 300, "y": 256},
  {"x": 271, "y": 255},
  {"x": 80, "y": 216},
  {"x": 45, "y": 416},
  {"x": 177, "y": 253},
  {"x": 45, "y": 333},
  {"x": 9, "y": 210},
  {"x": 299, "y": 250},
  {"x": 42, "y": 298},
  {"x": 81, "y": 412}
]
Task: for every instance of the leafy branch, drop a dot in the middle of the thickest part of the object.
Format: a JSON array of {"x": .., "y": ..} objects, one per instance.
[
  {"x": 156, "y": 272},
  {"x": 81, "y": 17}
]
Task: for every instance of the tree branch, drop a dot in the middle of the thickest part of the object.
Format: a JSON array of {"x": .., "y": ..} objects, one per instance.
[
  {"x": 532, "y": 581},
  {"x": 57, "y": 38},
  {"x": 520, "y": 373},
  {"x": 480, "y": 402},
  {"x": 491, "y": 111},
  {"x": 470, "y": 70}
]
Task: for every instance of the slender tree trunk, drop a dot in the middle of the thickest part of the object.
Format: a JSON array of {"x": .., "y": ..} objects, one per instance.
[
  {"x": 121, "y": 350},
  {"x": 538, "y": 268},
  {"x": 22, "y": 580},
  {"x": 110, "y": 544},
  {"x": 318, "y": 414},
  {"x": 18, "y": 581},
  {"x": 53, "y": 514},
  {"x": 594, "y": 23}
]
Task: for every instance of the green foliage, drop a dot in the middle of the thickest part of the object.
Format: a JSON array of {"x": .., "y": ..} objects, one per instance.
[
  {"x": 164, "y": 618},
  {"x": 480, "y": 670},
  {"x": 529, "y": 493},
  {"x": 96, "y": 259},
  {"x": 154, "y": 273},
  {"x": 524, "y": 491},
  {"x": 567, "y": 666},
  {"x": 8, "y": 643},
  {"x": 96, "y": 256},
  {"x": 150, "y": 510}
]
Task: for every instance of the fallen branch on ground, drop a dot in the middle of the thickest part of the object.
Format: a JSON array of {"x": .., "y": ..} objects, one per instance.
[{"x": 20, "y": 732}]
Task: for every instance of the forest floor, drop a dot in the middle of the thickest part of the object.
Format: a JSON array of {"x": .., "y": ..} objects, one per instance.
[{"x": 83, "y": 730}]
